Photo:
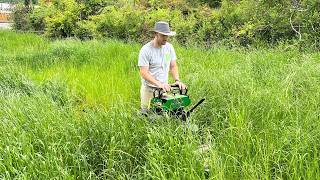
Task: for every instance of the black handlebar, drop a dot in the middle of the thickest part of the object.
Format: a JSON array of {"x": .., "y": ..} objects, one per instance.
[
  {"x": 181, "y": 91},
  {"x": 160, "y": 91},
  {"x": 174, "y": 85}
]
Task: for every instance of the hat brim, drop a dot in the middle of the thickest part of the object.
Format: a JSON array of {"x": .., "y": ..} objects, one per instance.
[{"x": 171, "y": 33}]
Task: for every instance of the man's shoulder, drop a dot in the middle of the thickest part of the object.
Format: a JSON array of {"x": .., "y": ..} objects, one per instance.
[
  {"x": 146, "y": 47},
  {"x": 169, "y": 45}
]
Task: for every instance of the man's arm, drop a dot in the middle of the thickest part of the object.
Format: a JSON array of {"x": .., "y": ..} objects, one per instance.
[
  {"x": 144, "y": 72},
  {"x": 174, "y": 70},
  {"x": 175, "y": 74}
]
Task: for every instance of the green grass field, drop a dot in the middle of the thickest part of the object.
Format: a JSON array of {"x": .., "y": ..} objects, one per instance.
[{"x": 70, "y": 110}]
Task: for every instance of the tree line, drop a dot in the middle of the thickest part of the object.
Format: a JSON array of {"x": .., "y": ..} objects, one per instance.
[{"x": 201, "y": 22}]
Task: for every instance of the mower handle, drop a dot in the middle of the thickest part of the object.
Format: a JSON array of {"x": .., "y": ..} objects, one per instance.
[
  {"x": 160, "y": 92},
  {"x": 174, "y": 85},
  {"x": 182, "y": 91}
]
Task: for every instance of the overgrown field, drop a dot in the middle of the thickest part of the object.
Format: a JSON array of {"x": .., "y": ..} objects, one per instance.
[{"x": 70, "y": 109}]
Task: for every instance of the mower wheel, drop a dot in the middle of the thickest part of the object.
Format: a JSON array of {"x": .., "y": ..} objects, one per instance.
[{"x": 184, "y": 116}]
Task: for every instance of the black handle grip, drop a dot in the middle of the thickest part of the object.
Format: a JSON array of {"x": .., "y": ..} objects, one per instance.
[
  {"x": 181, "y": 91},
  {"x": 160, "y": 92}
]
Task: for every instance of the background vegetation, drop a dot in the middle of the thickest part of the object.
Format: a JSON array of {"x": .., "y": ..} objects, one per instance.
[
  {"x": 205, "y": 23},
  {"x": 69, "y": 109},
  {"x": 11, "y": 1}
]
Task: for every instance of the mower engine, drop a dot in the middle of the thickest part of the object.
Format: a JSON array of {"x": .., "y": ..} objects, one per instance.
[{"x": 173, "y": 102}]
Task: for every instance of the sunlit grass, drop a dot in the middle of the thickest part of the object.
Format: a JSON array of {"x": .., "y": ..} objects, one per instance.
[{"x": 69, "y": 109}]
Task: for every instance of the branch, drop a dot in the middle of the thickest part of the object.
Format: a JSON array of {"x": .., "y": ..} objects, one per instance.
[{"x": 298, "y": 32}]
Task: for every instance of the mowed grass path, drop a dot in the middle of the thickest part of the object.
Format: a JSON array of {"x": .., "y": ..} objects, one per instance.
[{"x": 69, "y": 109}]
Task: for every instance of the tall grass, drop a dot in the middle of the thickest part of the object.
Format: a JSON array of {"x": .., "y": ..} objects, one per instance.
[{"x": 69, "y": 109}]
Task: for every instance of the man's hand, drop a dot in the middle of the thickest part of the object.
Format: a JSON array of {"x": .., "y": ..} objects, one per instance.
[
  {"x": 166, "y": 87},
  {"x": 181, "y": 85}
]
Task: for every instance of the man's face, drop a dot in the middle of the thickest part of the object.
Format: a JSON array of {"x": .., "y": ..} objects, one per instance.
[{"x": 162, "y": 39}]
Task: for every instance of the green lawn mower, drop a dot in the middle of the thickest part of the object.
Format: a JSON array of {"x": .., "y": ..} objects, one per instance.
[{"x": 173, "y": 102}]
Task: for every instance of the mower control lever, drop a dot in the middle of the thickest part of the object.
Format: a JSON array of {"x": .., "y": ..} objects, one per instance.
[
  {"x": 191, "y": 110},
  {"x": 195, "y": 106}
]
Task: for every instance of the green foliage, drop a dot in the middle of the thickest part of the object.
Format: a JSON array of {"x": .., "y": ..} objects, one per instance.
[
  {"x": 63, "y": 22},
  {"x": 204, "y": 23},
  {"x": 86, "y": 29},
  {"x": 12, "y": 1},
  {"x": 38, "y": 17},
  {"x": 13, "y": 82},
  {"x": 76, "y": 116},
  {"x": 124, "y": 24},
  {"x": 20, "y": 17}
]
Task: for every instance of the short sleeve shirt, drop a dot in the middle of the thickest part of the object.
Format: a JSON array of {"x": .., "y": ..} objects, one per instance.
[{"x": 158, "y": 60}]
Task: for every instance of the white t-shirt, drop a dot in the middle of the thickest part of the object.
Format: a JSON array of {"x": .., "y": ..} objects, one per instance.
[{"x": 158, "y": 60}]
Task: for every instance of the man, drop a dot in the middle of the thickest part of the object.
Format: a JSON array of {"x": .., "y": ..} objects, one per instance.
[{"x": 156, "y": 58}]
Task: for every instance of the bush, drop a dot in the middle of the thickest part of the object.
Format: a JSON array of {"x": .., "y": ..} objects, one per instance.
[
  {"x": 38, "y": 16},
  {"x": 86, "y": 29},
  {"x": 64, "y": 21},
  {"x": 123, "y": 23},
  {"x": 21, "y": 19},
  {"x": 205, "y": 23}
]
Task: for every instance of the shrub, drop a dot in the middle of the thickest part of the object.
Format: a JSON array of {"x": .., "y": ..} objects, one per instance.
[
  {"x": 38, "y": 16},
  {"x": 205, "y": 23},
  {"x": 20, "y": 17},
  {"x": 64, "y": 20}
]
